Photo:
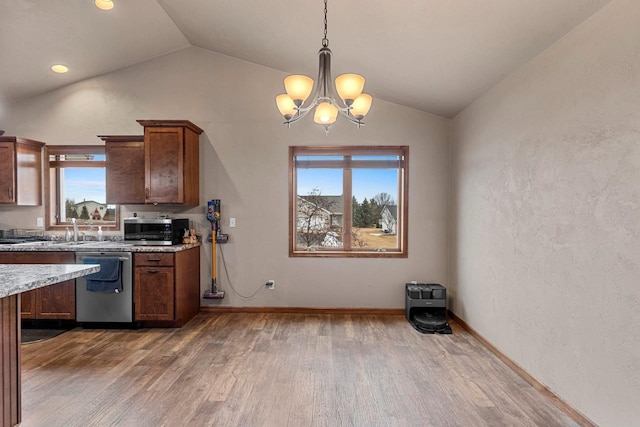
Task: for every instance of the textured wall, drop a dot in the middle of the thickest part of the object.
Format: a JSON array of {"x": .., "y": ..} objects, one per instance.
[
  {"x": 244, "y": 161},
  {"x": 545, "y": 248}
]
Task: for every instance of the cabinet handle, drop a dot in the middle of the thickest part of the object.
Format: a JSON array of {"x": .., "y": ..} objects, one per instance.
[
  {"x": 154, "y": 260},
  {"x": 146, "y": 193},
  {"x": 153, "y": 271},
  {"x": 10, "y": 193}
]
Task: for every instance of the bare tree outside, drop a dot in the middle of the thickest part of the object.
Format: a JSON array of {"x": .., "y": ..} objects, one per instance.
[
  {"x": 314, "y": 218},
  {"x": 357, "y": 239},
  {"x": 379, "y": 201}
]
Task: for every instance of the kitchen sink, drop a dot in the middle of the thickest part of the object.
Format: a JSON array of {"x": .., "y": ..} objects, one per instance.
[
  {"x": 107, "y": 243},
  {"x": 50, "y": 243},
  {"x": 72, "y": 243},
  {"x": 44, "y": 243},
  {"x": 92, "y": 243}
]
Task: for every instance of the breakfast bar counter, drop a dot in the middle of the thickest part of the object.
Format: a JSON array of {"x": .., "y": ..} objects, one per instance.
[
  {"x": 15, "y": 279},
  {"x": 18, "y": 278}
]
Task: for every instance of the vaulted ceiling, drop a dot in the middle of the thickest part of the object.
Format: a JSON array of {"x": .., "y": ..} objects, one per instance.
[{"x": 436, "y": 56}]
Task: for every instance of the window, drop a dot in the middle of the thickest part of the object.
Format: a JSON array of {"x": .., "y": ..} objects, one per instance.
[
  {"x": 348, "y": 201},
  {"x": 77, "y": 188}
]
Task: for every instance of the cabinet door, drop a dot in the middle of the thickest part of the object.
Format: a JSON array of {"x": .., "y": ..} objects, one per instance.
[
  {"x": 164, "y": 164},
  {"x": 56, "y": 301},
  {"x": 29, "y": 174},
  {"x": 125, "y": 172},
  {"x": 7, "y": 172},
  {"x": 154, "y": 295},
  {"x": 28, "y": 304}
]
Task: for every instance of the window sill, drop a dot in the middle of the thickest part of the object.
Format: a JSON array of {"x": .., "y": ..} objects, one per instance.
[{"x": 344, "y": 254}]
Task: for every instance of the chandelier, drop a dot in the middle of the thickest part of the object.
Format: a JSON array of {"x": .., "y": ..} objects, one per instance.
[{"x": 345, "y": 97}]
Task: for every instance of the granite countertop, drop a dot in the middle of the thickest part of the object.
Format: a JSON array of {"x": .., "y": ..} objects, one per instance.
[
  {"x": 92, "y": 246},
  {"x": 18, "y": 278}
]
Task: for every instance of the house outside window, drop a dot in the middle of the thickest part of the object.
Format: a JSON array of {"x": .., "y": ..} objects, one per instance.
[
  {"x": 389, "y": 219},
  {"x": 348, "y": 201}
]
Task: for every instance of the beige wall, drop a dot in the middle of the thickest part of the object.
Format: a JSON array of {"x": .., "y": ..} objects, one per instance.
[
  {"x": 244, "y": 163},
  {"x": 545, "y": 231},
  {"x": 545, "y": 197}
]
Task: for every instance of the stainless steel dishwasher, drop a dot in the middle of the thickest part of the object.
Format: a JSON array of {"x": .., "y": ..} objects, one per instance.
[{"x": 109, "y": 307}]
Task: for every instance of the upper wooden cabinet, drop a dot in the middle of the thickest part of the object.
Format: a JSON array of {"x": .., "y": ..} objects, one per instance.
[
  {"x": 20, "y": 171},
  {"x": 125, "y": 168},
  {"x": 161, "y": 167},
  {"x": 171, "y": 155}
]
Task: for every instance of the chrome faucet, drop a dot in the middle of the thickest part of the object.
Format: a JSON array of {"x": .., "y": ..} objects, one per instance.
[{"x": 75, "y": 229}]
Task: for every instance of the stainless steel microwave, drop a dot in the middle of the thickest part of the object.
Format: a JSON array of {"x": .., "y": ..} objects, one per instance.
[{"x": 157, "y": 232}]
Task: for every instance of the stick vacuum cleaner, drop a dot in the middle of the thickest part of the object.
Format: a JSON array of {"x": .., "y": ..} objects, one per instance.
[{"x": 213, "y": 215}]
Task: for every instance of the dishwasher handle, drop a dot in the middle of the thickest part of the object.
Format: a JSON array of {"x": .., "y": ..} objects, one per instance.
[{"x": 120, "y": 258}]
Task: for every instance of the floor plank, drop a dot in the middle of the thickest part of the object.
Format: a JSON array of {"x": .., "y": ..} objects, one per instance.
[{"x": 253, "y": 369}]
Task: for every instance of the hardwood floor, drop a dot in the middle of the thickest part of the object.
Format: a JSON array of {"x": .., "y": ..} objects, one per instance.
[{"x": 251, "y": 369}]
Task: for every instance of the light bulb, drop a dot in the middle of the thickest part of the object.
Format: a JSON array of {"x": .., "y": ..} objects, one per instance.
[{"x": 325, "y": 114}]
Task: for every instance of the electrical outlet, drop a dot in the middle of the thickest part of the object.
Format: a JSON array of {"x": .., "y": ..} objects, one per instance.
[
  {"x": 271, "y": 284},
  {"x": 39, "y": 222},
  {"x": 232, "y": 222}
]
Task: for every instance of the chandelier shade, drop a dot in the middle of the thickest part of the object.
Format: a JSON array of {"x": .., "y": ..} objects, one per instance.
[
  {"x": 344, "y": 97},
  {"x": 361, "y": 106},
  {"x": 286, "y": 105},
  {"x": 349, "y": 87},
  {"x": 298, "y": 88}
]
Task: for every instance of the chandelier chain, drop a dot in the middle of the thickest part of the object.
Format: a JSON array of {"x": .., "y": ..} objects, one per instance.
[{"x": 325, "y": 41}]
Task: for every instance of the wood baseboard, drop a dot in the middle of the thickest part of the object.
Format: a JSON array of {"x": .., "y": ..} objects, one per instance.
[
  {"x": 303, "y": 310},
  {"x": 576, "y": 415}
]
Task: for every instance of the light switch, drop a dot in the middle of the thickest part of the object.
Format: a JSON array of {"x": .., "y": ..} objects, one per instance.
[{"x": 232, "y": 222}]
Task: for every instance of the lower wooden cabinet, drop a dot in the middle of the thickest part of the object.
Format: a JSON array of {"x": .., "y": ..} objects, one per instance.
[
  {"x": 55, "y": 302},
  {"x": 167, "y": 286},
  {"x": 51, "y": 302},
  {"x": 154, "y": 288}
]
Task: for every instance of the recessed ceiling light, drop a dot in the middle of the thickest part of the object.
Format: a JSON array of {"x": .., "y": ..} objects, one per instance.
[
  {"x": 104, "y": 4},
  {"x": 59, "y": 68}
]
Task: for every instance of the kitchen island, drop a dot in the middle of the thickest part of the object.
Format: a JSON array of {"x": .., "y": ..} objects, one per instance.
[{"x": 15, "y": 279}]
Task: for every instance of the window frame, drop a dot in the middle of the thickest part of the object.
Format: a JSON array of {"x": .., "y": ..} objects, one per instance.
[
  {"x": 347, "y": 251},
  {"x": 51, "y": 206}
]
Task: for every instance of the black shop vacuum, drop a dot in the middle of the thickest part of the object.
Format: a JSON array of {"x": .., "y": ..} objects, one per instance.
[{"x": 426, "y": 307}]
